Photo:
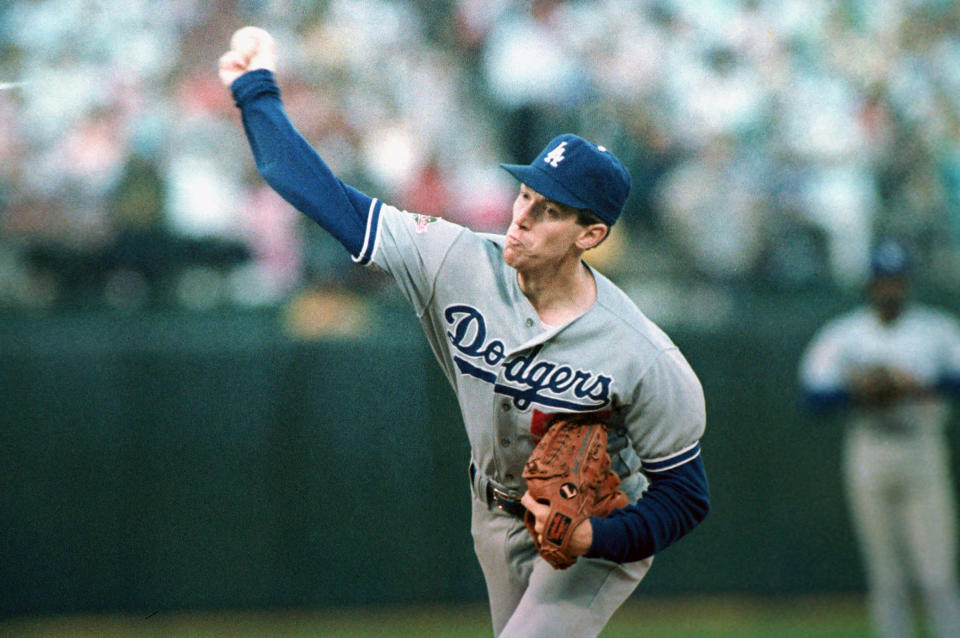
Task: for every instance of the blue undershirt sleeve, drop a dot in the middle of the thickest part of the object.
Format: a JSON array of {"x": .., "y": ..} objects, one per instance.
[
  {"x": 288, "y": 163},
  {"x": 949, "y": 385},
  {"x": 823, "y": 401},
  {"x": 674, "y": 503}
]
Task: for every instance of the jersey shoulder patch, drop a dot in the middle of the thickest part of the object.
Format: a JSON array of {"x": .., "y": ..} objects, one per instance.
[{"x": 422, "y": 222}]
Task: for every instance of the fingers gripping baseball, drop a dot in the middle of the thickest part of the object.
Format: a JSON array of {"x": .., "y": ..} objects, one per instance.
[
  {"x": 539, "y": 511},
  {"x": 251, "y": 48},
  {"x": 582, "y": 535}
]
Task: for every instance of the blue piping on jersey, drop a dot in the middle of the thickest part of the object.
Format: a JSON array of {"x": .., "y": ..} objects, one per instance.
[
  {"x": 288, "y": 163},
  {"x": 373, "y": 225},
  {"x": 523, "y": 397},
  {"x": 468, "y": 368},
  {"x": 676, "y": 501},
  {"x": 672, "y": 461}
]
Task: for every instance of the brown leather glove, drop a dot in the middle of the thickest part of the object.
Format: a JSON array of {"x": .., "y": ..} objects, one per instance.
[{"x": 569, "y": 470}]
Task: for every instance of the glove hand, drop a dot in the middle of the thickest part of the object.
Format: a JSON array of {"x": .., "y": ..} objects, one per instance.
[
  {"x": 884, "y": 386},
  {"x": 569, "y": 480},
  {"x": 582, "y": 535}
]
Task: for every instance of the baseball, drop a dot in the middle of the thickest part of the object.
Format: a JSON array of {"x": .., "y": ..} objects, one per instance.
[
  {"x": 251, "y": 48},
  {"x": 249, "y": 41}
]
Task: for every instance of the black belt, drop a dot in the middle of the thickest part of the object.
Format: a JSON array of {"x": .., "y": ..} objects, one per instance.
[{"x": 505, "y": 502}]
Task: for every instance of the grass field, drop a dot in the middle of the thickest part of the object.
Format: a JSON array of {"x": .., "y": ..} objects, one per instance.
[{"x": 656, "y": 618}]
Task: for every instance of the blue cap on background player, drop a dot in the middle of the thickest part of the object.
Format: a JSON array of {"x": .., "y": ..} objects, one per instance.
[
  {"x": 890, "y": 259},
  {"x": 577, "y": 173}
]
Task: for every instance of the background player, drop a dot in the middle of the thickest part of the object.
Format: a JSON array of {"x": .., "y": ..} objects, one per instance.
[
  {"x": 522, "y": 328},
  {"x": 893, "y": 364}
]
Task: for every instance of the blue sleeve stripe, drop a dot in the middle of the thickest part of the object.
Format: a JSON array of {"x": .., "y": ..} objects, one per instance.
[
  {"x": 369, "y": 248},
  {"x": 674, "y": 460}
]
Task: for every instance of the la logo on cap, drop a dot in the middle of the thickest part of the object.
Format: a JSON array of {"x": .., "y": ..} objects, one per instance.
[
  {"x": 591, "y": 178},
  {"x": 555, "y": 156}
]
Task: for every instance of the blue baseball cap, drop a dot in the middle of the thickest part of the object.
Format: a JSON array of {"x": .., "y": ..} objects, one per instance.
[
  {"x": 890, "y": 259},
  {"x": 572, "y": 171}
]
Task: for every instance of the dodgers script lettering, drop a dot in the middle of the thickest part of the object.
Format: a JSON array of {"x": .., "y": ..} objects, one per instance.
[{"x": 525, "y": 378}]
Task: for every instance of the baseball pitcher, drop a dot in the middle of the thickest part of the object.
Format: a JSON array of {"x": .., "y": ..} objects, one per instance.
[
  {"x": 892, "y": 366},
  {"x": 584, "y": 419}
]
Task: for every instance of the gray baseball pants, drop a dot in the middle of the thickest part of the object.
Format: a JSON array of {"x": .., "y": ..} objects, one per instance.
[
  {"x": 901, "y": 498},
  {"x": 531, "y": 599}
]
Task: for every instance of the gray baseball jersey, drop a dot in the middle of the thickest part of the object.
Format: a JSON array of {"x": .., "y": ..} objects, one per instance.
[
  {"x": 508, "y": 369},
  {"x": 923, "y": 342}
]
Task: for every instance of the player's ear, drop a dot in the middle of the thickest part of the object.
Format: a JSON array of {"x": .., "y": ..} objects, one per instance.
[{"x": 592, "y": 236}]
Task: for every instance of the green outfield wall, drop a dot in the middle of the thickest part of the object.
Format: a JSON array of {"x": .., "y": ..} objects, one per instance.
[{"x": 167, "y": 461}]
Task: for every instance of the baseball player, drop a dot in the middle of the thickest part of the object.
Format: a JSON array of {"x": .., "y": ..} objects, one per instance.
[
  {"x": 524, "y": 330},
  {"x": 893, "y": 365}
]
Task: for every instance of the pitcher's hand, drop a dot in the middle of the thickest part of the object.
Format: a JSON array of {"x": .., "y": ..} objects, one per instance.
[
  {"x": 251, "y": 48},
  {"x": 582, "y": 535}
]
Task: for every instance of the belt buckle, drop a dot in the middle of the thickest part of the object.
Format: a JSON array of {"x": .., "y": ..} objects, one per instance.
[{"x": 501, "y": 499}]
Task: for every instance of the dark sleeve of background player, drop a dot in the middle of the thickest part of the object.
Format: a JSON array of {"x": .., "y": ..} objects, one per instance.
[
  {"x": 292, "y": 167},
  {"x": 825, "y": 400},
  {"x": 949, "y": 384},
  {"x": 675, "y": 502}
]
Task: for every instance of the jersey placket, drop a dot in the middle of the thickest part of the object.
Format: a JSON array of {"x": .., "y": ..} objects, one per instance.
[{"x": 509, "y": 418}]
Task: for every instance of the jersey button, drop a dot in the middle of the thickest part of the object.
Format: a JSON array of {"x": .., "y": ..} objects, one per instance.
[
  {"x": 529, "y": 323},
  {"x": 505, "y": 406},
  {"x": 505, "y": 442}
]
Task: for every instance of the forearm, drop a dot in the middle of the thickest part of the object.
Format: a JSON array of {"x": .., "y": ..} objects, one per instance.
[
  {"x": 292, "y": 167},
  {"x": 676, "y": 501}
]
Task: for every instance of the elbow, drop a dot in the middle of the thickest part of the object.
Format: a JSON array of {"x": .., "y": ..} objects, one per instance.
[
  {"x": 287, "y": 185},
  {"x": 698, "y": 490},
  {"x": 689, "y": 490},
  {"x": 271, "y": 173},
  {"x": 701, "y": 508},
  {"x": 697, "y": 506}
]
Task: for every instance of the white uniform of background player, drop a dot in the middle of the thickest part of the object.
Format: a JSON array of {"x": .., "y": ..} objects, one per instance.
[
  {"x": 522, "y": 329},
  {"x": 892, "y": 365}
]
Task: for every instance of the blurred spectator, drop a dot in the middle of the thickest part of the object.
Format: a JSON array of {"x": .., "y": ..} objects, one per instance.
[
  {"x": 534, "y": 74},
  {"x": 427, "y": 193},
  {"x": 713, "y": 207},
  {"x": 140, "y": 255},
  {"x": 779, "y": 137}
]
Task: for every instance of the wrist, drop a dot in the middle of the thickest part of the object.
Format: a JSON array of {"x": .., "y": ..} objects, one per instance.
[
  {"x": 252, "y": 84},
  {"x": 582, "y": 539}
]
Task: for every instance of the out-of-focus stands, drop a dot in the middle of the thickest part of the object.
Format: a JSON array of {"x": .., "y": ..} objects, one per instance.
[{"x": 770, "y": 142}]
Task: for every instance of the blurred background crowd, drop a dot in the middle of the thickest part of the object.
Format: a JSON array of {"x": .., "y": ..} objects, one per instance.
[{"x": 771, "y": 142}]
